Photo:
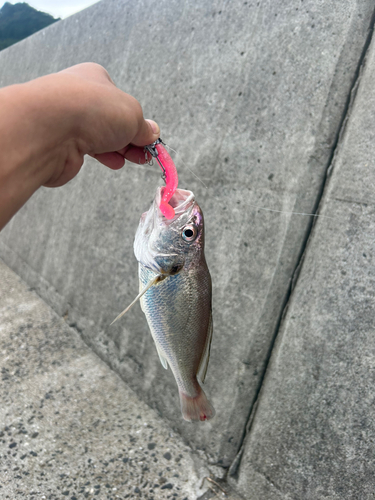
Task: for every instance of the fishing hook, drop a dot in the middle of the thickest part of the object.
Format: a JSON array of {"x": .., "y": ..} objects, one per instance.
[{"x": 151, "y": 149}]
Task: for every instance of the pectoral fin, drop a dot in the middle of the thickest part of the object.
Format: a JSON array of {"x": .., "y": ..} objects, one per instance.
[
  {"x": 151, "y": 283},
  {"x": 140, "y": 290},
  {"x": 202, "y": 370}
]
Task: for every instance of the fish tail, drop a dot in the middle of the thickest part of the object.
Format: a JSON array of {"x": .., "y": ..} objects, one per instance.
[{"x": 198, "y": 408}]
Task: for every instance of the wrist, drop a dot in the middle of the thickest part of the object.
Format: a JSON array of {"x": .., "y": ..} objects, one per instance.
[
  {"x": 39, "y": 127},
  {"x": 38, "y": 131},
  {"x": 53, "y": 116}
]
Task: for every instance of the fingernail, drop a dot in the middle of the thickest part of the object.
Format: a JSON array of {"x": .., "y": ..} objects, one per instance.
[{"x": 154, "y": 126}]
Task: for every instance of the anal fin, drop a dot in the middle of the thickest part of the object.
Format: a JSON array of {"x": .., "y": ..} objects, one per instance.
[
  {"x": 163, "y": 360},
  {"x": 202, "y": 370}
]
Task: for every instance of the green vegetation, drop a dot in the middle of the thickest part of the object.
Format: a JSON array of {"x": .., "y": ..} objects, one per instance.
[{"x": 20, "y": 21}]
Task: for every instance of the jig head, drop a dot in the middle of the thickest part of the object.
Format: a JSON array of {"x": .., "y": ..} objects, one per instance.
[{"x": 170, "y": 177}]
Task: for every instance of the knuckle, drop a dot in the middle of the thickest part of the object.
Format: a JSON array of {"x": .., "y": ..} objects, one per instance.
[{"x": 136, "y": 110}]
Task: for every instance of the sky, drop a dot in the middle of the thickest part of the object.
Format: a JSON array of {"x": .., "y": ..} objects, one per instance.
[{"x": 57, "y": 8}]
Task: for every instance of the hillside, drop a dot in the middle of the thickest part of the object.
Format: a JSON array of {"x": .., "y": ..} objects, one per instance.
[{"x": 20, "y": 21}]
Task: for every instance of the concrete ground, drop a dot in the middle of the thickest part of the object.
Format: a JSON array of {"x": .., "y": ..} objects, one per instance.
[{"x": 69, "y": 427}]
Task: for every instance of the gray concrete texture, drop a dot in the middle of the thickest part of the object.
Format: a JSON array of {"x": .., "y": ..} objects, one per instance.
[
  {"x": 251, "y": 95},
  {"x": 313, "y": 434},
  {"x": 69, "y": 427}
]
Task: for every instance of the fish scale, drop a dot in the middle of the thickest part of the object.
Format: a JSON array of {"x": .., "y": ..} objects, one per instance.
[{"x": 171, "y": 309}]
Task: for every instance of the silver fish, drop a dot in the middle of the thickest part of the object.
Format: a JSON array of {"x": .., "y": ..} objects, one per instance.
[{"x": 175, "y": 292}]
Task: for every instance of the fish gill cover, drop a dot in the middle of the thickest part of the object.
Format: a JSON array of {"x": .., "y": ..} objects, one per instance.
[{"x": 20, "y": 21}]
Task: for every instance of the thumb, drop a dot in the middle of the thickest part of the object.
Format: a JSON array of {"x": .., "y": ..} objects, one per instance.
[{"x": 147, "y": 133}]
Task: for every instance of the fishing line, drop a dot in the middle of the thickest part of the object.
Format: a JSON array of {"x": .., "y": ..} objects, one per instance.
[
  {"x": 187, "y": 166},
  {"x": 250, "y": 204},
  {"x": 286, "y": 212}
]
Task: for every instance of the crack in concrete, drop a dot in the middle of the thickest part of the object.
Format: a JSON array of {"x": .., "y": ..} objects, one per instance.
[{"x": 233, "y": 470}]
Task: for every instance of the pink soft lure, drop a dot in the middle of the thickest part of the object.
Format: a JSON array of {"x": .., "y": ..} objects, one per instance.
[
  {"x": 158, "y": 151},
  {"x": 171, "y": 180}
]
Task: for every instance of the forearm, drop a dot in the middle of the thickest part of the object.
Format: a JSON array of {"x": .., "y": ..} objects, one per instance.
[{"x": 31, "y": 140}]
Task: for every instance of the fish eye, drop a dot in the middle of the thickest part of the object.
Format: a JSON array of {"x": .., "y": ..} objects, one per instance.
[{"x": 190, "y": 232}]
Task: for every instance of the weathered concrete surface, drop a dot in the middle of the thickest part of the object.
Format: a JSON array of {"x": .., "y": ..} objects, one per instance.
[
  {"x": 251, "y": 94},
  {"x": 313, "y": 434},
  {"x": 69, "y": 426}
]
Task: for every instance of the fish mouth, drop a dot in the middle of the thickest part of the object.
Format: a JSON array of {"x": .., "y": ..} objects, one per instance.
[
  {"x": 151, "y": 245},
  {"x": 181, "y": 201}
]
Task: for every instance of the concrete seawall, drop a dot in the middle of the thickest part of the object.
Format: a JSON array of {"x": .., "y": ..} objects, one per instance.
[{"x": 260, "y": 100}]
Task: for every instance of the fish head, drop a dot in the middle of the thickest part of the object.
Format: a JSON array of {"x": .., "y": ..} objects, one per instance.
[{"x": 166, "y": 246}]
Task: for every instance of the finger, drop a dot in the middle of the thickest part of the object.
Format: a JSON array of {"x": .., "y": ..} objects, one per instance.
[
  {"x": 147, "y": 133},
  {"x": 115, "y": 161},
  {"x": 138, "y": 150},
  {"x": 136, "y": 154},
  {"x": 89, "y": 71},
  {"x": 123, "y": 151}
]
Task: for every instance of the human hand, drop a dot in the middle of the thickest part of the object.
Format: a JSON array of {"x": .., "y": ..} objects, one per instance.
[
  {"x": 110, "y": 125},
  {"x": 48, "y": 125}
]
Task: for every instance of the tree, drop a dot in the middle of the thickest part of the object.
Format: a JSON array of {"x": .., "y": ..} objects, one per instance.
[{"x": 20, "y": 21}]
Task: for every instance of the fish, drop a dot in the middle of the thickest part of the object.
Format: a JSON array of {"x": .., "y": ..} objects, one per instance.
[{"x": 176, "y": 295}]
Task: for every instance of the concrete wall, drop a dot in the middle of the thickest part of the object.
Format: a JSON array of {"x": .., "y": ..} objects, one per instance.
[
  {"x": 252, "y": 96},
  {"x": 313, "y": 433}
]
